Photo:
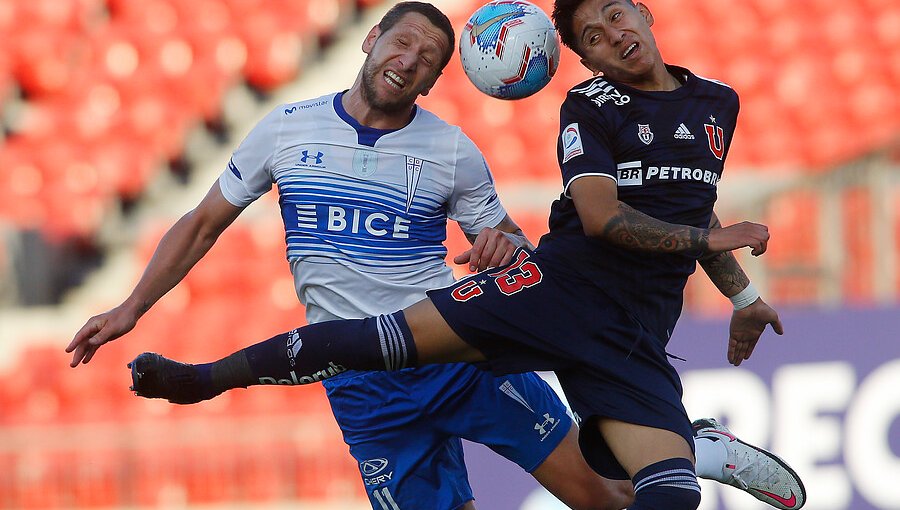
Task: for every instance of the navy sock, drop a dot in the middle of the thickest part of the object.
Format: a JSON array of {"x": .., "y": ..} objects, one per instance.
[
  {"x": 316, "y": 352},
  {"x": 670, "y": 484}
]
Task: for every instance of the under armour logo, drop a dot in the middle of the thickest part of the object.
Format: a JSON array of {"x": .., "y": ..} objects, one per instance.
[
  {"x": 317, "y": 156},
  {"x": 542, "y": 427}
]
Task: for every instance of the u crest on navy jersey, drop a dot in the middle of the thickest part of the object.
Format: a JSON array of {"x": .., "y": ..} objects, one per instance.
[
  {"x": 644, "y": 133},
  {"x": 716, "y": 137}
]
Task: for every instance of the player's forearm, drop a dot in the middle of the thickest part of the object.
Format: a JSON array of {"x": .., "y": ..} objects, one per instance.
[
  {"x": 634, "y": 230},
  {"x": 725, "y": 273},
  {"x": 178, "y": 251},
  {"x": 723, "y": 268},
  {"x": 511, "y": 230}
]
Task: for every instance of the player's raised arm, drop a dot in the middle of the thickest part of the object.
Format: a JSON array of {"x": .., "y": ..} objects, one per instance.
[
  {"x": 751, "y": 314},
  {"x": 179, "y": 249},
  {"x": 605, "y": 216}
]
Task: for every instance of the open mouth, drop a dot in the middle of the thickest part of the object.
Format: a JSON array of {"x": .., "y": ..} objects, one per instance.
[
  {"x": 630, "y": 50},
  {"x": 394, "y": 80}
]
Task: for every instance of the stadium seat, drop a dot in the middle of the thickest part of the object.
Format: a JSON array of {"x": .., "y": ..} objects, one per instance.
[
  {"x": 43, "y": 58},
  {"x": 857, "y": 286}
]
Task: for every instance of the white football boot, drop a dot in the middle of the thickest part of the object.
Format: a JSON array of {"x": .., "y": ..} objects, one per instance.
[{"x": 754, "y": 470}]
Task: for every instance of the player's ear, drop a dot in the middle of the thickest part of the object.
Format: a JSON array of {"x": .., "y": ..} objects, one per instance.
[
  {"x": 645, "y": 12},
  {"x": 371, "y": 37}
]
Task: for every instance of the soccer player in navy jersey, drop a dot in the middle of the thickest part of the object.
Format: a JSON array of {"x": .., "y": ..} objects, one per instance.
[{"x": 641, "y": 150}]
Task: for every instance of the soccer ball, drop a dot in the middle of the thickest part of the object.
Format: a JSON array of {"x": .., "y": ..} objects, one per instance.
[{"x": 509, "y": 49}]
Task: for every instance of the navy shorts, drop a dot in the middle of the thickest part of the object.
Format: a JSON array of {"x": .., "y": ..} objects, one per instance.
[
  {"x": 403, "y": 428},
  {"x": 530, "y": 315}
]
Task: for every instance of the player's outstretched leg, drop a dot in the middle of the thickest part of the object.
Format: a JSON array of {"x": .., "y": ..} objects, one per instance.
[
  {"x": 302, "y": 356},
  {"x": 308, "y": 355},
  {"x": 752, "y": 469}
]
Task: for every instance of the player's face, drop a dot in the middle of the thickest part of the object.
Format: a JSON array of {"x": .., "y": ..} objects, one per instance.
[
  {"x": 402, "y": 63},
  {"x": 615, "y": 39}
]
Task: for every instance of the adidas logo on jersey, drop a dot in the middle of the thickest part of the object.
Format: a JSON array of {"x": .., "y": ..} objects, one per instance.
[{"x": 683, "y": 133}]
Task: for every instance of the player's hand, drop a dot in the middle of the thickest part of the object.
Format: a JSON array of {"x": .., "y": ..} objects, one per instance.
[
  {"x": 98, "y": 330},
  {"x": 492, "y": 248},
  {"x": 739, "y": 235},
  {"x": 747, "y": 324}
]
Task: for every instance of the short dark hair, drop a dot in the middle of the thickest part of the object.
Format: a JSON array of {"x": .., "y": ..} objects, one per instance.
[
  {"x": 563, "y": 19},
  {"x": 434, "y": 15}
]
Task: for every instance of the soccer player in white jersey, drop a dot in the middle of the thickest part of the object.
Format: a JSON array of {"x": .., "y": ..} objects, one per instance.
[{"x": 367, "y": 181}]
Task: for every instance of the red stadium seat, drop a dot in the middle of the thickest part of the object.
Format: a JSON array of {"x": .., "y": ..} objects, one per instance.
[
  {"x": 43, "y": 59},
  {"x": 857, "y": 286},
  {"x": 274, "y": 50}
]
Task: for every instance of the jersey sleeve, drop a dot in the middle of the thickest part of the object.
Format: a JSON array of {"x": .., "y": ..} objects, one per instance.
[
  {"x": 473, "y": 203},
  {"x": 249, "y": 172},
  {"x": 735, "y": 104},
  {"x": 584, "y": 144}
]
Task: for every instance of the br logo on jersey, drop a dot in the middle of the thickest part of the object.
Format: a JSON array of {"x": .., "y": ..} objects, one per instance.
[
  {"x": 644, "y": 133},
  {"x": 571, "y": 142},
  {"x": 716, "y": 137},
  {"x": 629, "y": 174}
]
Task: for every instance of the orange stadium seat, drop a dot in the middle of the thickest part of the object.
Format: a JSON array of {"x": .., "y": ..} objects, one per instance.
[
  {"x": 794, "y": 260},
  {"x": 857, "y": 286}
]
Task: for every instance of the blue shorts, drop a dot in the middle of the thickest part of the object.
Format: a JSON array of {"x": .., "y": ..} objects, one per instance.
[
  {"x": 531, "y": 315},
  {"x": 404, "y": 428}
]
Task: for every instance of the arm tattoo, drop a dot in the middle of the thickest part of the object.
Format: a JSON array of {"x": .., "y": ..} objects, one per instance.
[
  {"x": 723, "y": 269},
  {"x": 725, "y": 272},
  {"x": 635, "y": 230}
]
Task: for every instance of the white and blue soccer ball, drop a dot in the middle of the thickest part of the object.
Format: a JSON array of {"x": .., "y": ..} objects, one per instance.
[{"x": 509, "y": 49}]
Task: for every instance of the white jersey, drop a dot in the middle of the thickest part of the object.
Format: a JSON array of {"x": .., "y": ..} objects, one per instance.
[{"x": 365, "y": 210}]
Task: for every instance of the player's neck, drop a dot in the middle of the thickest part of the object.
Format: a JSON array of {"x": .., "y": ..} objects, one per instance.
[
  {"x": 659, "y": 80},
  {"x": 357, "y": 107}
]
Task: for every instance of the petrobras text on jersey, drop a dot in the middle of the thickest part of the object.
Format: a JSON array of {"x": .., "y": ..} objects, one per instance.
[
  {"x": 331, "y": 370},
  {"x": 633, "y": 174},
  {"x": 349, "y": 220}
]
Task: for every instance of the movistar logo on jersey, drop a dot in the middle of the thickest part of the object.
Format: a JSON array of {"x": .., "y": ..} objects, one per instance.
[{"x": 632, "y": 173}]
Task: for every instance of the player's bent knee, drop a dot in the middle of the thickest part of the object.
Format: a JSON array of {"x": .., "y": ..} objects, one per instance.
[{"x": 667, "y": 485}]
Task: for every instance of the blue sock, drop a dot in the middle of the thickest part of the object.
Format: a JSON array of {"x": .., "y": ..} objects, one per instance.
[
  {"x": 316, "y": 352},
  {"x": 670, "y": 484}
]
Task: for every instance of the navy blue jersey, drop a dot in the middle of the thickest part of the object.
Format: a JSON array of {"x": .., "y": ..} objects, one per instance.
[{"x": 665, "y": 151}]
